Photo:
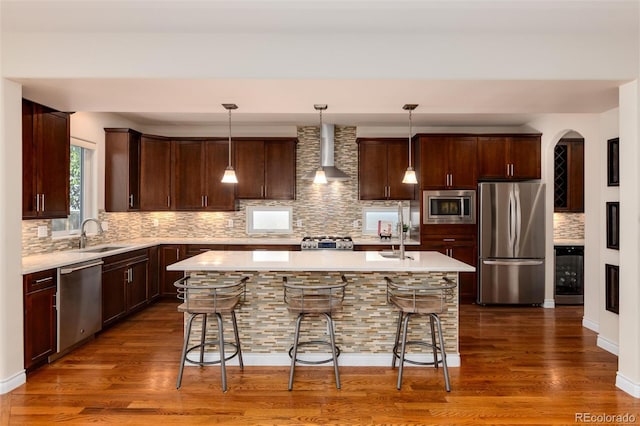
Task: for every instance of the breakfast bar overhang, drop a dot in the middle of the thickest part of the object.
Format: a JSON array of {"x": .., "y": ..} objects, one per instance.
[{"x": 365, "y": 327}]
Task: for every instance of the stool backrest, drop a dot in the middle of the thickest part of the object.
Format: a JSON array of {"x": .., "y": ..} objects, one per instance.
[
  {"x": 421, "y": 297},
  {"x": 314, "y": 298},
  {"x": 217, "y": 296}
]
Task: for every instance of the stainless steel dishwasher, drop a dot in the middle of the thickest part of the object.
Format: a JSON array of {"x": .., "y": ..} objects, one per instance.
[{"x": 79, "y": 303}]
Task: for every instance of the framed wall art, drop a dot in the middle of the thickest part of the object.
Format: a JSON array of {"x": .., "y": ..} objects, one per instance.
[
  {"x": 612, "y": 288},
  {"x": 613, "y": 225},
  {"x": 613, "y": 162}
]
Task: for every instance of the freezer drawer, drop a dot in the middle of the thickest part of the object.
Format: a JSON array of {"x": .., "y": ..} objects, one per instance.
[{"x": 511, "y": 281}]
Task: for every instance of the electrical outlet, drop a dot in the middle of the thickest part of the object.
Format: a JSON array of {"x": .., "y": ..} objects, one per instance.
[
  {"x": 105, "y": 225},
  {"x": 299, "y": 223},
  {"x": 356, "y": 223},
  {"x": 42, "y": 231},
  {"x": 156, "y": 223},
  {"x": 229, "y": 223}
]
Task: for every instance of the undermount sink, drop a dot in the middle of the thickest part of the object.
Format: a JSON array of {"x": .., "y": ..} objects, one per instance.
[
  {"x": 393, "y": 255},
  {"x": 102, "y": 249}
]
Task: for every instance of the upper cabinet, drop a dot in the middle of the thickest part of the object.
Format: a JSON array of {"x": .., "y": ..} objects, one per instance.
[
  {"x": 569, "y": 176},
  {"x": 381, "y": 166},
  {"x": 512, "y": 157},
  {"x": 122, "y": 170},
  {"x": 45, "y": 162},
  {"x": 266, "y": 168},
  {"x": 199, "y": 166},
  {"x": 448, "y": 161},
  {"x": 155, "y": 173}
]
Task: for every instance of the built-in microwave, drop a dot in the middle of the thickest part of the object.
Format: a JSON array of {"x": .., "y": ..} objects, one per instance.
[{"x": 449, "y": 206}]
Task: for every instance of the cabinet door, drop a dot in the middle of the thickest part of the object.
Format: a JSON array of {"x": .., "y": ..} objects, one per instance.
[
  {"x": 462, "y": 162},
  {"x": 492, "y": 157},
  {"x": 219, "y": 196},
  {"x": 137, "y": 284},
  {"x": 29, "y": 164},
  {"x": 40, "y": 324},
  {"x": 434, "y": 155},
  {"x": 122, "y": 170},
  {"x": 170, "y": 254},
  {"x": 525, "y": 157},
  {"x": 53, "y": 158},
  {"x": 467, "y": 285},
  {"x": 154, "y": 277},
  {"x": 280, "y": 170},
  {"x": 114, "y": 293},
  {"x": 397, "y": 163},
  {"x": 249, "y": 166},
  {"x": 155, "y": 174},
  {"x": 189, "y": 166},
  {"x": 372, "y": 170}
]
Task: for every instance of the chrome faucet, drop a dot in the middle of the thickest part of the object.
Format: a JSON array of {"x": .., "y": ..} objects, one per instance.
[
  {"x": 83, "y": 233},
  {"x": 400, "y": 230}
]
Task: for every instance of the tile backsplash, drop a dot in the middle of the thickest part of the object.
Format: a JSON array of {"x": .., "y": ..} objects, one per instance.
[
  {"x": 323, "y": 209},
  {"x": 568, "y": 226}
]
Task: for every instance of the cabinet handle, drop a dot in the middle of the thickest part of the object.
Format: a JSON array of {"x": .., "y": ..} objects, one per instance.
[
  {"x": 42, "y": 280},
  {"x": 202, "y": 201},
  {"x": 206, "y": 201},
  {"x": 43, "y": 202},
  {"x": 508, "y": 170},
  {"x": 130, "y": 200},
  {"x": 130, "y": 275},
  {"x": 168, "y": 200},
  {"x": 177, "y": 253},
  {"x": 37, "y": 202},
  {"x": 388, "y": 192},
  {"x": 448, "y": 239},
  {"x": 450, "y": 179},
  {"x": 511, "y": 169}
]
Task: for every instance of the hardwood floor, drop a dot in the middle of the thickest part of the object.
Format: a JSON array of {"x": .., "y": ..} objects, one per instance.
[{"x": 520, "y": 365}]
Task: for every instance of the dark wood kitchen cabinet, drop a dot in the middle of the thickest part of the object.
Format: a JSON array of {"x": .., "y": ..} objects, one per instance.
[
  {"x": 155, "y": 173},
  {"x": 448, "y": 161},
  {"x": 381, "y": 166},
  {"x": 569, "y": 176},
  {"x": 122, "y": 170},
  {"x": 199, "y": 166},
  {"x": 124, "y": 285},
  {"x": 266, "y": 168},
  {"x": 40, "y": 317},
  {"x": 512, "y": 157},
  {"x": 458, "y": 242},
  {"x": 45, "y": 162},
  {"x": 168, "y": 254}
]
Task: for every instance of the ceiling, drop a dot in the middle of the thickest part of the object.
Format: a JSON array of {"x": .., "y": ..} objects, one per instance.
[{"x": 369, "y": 102}]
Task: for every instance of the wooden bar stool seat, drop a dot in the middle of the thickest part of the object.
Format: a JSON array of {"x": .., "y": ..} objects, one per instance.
[{"x": 202, "y": 300}]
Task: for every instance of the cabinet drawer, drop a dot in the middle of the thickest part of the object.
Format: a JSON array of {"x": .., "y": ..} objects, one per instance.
[{"x": 40, "y": 280}]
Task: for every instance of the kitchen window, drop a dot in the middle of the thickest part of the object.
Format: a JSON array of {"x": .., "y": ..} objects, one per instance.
[
  {"x": 82, "y": 189},
  {"x": 371, "y": 216},
  {"x": 269, "y": 220}
]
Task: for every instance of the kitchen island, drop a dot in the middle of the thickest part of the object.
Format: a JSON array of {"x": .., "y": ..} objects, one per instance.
[{"x": 365, "y": 328}]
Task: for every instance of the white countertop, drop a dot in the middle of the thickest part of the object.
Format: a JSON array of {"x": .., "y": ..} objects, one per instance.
[
  {"x": 41, "y": 262},
  {"x": 319, "y": 260}
]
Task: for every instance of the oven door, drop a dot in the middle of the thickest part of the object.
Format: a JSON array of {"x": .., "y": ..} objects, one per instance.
[{"x": 450, "y": 207}]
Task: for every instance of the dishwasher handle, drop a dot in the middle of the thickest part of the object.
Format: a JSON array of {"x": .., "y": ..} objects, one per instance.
[{"x": 64, "y": 271}]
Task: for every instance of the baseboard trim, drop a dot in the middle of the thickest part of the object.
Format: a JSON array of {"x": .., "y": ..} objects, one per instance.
[
  {"x": 627, "y": 385},
  {"x": 10, "y": 383},
  {"x": 345, "y": 359},
  {"x": 549, "y": 303},
  {"x": 591, "y": 325},
  {"x": 608, "y": 345}
]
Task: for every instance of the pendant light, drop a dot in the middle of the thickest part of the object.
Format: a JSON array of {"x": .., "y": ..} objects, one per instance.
[
  {"x": 229, "y": 173},
  {"x": 410, "y": 173},
  {"x": 320, "y": 176}
]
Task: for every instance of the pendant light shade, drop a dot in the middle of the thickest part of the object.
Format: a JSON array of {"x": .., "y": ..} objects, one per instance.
[
  {"x": 229, "y": 173},
  {"x": 410, "y": 173},
  {"x": 320, "y": 176}
]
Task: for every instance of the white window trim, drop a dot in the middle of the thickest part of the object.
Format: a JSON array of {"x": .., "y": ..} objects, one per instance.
[
  {"x": 394, "y": 210},
  {"x": 250, "y": 210}
]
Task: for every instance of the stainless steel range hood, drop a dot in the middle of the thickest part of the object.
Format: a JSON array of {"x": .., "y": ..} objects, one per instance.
[{"x": 327, "y": 132}]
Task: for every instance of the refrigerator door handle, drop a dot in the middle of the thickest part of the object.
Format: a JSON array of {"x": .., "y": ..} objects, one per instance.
[
  {"x": 513, "y": 262},
  {"x": 518, "y": 222},
  {"x": 512, "y": 223}
]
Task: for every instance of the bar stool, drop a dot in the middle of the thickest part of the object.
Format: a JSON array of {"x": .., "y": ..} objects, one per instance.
[
  {"x": 420, "y": 299},
  {"x": 203, "y": 299},
  {"x": 314, "y": 300}
]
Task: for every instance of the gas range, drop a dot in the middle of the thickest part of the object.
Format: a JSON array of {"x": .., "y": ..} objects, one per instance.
[{"x": 326, "y": 243}]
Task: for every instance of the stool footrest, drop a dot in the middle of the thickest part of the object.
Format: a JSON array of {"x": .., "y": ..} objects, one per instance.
[
  {"x": 436, "y": 363},
  {"x": 314, "y": 342},
  {"x": 212, "y": 343}
]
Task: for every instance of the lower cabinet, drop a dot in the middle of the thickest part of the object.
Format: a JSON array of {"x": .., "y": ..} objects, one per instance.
[
  {"x": 168, "y": 254},
  {"x": 461, "y": 247},
  {"x": 124, "y": 284},
  {"x": 40, "y": 314}
]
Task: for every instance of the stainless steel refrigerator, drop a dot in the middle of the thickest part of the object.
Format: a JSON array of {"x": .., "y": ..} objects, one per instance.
[{"x": 511, "y": 234}]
